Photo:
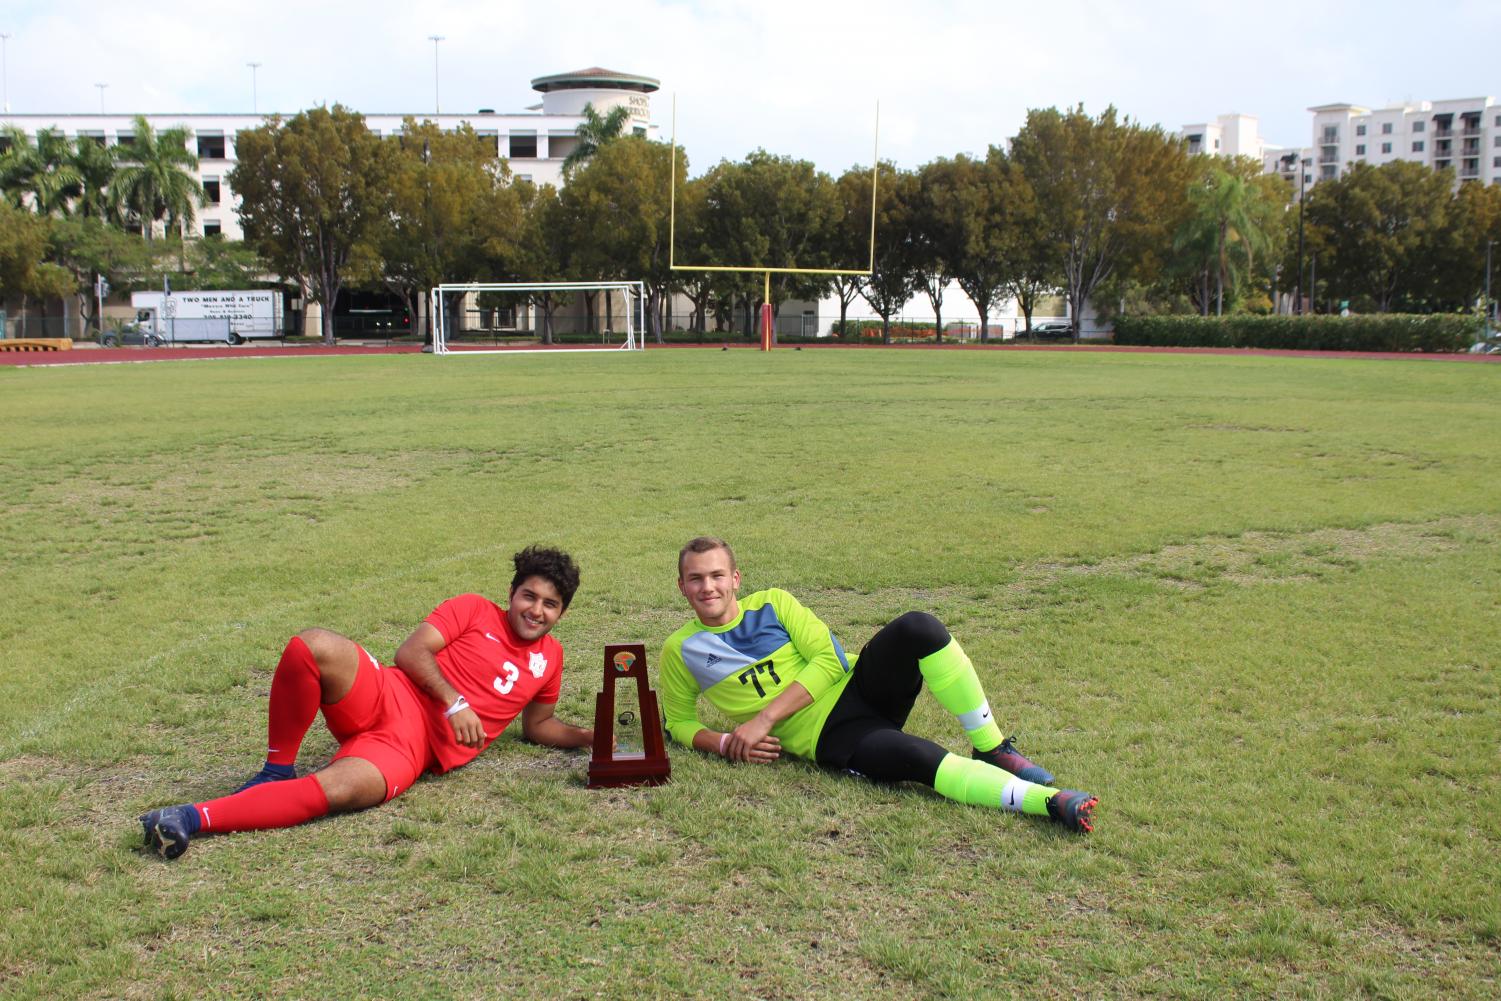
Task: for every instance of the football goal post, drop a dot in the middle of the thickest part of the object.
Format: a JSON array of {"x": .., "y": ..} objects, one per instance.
[{"x": 505, "y": 317}]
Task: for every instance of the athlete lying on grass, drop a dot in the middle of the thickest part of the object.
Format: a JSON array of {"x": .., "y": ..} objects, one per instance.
[
  {"x": 460, "y": 678},
  {"x": 774, "y": 668}
]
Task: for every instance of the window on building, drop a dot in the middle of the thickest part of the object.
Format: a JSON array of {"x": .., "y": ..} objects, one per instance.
[
  {"x": 1417, "y": 147},
  {"x": 210, "y": 191},
  {"x": 523, "y": 177},
  {"x": 1360, "y": 149},
  {"x": 1419, "y": 126},
  {"x": 638, "y": 130},
  {"x": 94, "y": 137},
  {"x": 1386, "y": 128},
  {"x": 1331, "y": 134},
  {"x": 4, "y": 143},
  {"x": 1496, "y": 162},
  {"x": 1360, "y": 130},
  {"x": 211, "y": 227},
  {"x": 1497, "y": 143},
  {"x": 1498, "y": 121},
  {"x": 210, "y": 147},
  {"x": 523, "y": 147},
  {"x": 126, "y": 139},
  {"x": 1386, "y": 147}
]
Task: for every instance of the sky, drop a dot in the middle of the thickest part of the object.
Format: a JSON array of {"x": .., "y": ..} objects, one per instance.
[{"x": 795, "y": 78}]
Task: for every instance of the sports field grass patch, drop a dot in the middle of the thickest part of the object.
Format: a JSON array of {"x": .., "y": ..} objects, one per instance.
[{"x": 1250, "y": 603}]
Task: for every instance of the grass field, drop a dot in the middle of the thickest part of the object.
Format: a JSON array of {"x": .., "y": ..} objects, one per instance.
[{"x": 1254, "y": 604}]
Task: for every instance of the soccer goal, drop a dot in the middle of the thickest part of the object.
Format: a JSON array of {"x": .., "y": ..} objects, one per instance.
[{"x": 505, "y": 317}]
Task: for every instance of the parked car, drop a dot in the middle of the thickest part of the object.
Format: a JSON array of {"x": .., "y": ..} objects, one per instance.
[
  {"x": 1053, "y": 330},
  {"x": 127, "y": 334}
]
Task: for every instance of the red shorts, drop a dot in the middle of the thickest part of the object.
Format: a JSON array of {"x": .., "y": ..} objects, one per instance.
[{"x": 382, "y": 721}]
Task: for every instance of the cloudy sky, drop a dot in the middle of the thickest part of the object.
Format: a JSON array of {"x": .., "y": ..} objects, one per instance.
[{"x": 798, "y": 78}]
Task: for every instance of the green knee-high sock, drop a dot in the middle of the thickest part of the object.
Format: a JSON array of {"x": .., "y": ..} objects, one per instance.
[
  {"x": 953, "y": 681},
  {"x": 979, "y": 784}
]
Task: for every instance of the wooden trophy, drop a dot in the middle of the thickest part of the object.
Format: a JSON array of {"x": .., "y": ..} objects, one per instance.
[{"x": 634, "y": 754}]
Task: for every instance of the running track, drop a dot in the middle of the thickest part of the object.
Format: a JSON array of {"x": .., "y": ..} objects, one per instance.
[{"x": 117, "y": 356}]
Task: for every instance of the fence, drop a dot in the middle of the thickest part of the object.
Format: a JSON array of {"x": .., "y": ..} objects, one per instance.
[{"x": 28, "y": 324}]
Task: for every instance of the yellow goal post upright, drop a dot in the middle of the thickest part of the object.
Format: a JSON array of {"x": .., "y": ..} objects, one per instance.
[
  {"x": 766, "y": 311},
  {"x": 634, "y": 293}
]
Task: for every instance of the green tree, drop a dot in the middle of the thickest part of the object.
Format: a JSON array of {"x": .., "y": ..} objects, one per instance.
[
  {"x": 1459, "y": 265},
  {"x": 96, "y": 165},
  {"x": 1381, "y": 230},
  {"x": 614, "y": 213},
  {"x": 849, "y": 238},
  {"x": 540, "y": 253},
  {"x": 774, "y": 212},
  {"x": 153, "y": 179},
  {"x": 315, "y": 200},
  {"x": 947, "y": 197},
  {"x": 897, "y": 275},
  {"x": 442, "y": 185},
  {"x": 88, "y": 247},
  {"x": 1232, "y": 220},
  {"x": 43, "y": 171},
  {"x": 594, "y": 133},
  {"x": 1109, "y": 192}
]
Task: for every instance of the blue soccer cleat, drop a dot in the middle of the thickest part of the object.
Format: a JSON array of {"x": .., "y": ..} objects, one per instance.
[
  {"x": 168, "y": 829},
  {"x": 1008, "y": 758}
]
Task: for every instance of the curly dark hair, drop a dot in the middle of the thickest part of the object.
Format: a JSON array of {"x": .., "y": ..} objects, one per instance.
[{"x": 552, "y": 565}]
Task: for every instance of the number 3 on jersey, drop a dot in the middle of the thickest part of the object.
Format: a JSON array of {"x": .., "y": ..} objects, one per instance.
[{"x": 507, "y": 678}]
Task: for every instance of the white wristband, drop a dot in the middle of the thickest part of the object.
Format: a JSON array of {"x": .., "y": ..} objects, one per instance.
[
  {"x": 724, "y": 739},
  {"x": 459, "y": 705}
]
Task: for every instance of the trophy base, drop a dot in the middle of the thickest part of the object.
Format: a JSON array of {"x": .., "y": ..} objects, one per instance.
[{"x": 635, "y": 771}]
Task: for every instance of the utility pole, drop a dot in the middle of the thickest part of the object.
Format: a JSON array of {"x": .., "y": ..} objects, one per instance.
[
  {"x": 437, "y": 109},
  {"x": 101, "y": 87},
  {"x": 1490, "y": 308},
  {"x": 1303, "y": 166},
  {"x": 255, "y": 101},
  {"x": 5, "y": 70}
]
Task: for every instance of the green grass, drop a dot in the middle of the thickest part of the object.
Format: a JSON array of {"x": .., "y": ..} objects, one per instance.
[{"x": 1254, "y": 604}]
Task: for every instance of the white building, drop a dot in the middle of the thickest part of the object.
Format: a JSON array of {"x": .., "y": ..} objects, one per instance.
[
  {"x": 1228, "y": 135},
  {"x": 535, "y": 140},
  {"x": 1462, "y": 135}
]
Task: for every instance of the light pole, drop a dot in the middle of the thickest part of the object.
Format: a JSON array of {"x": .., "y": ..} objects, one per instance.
[
  {"x": 1303, "y": 166},
  {"x": 101, "y": 87},
  {"x": 435, "y": 39},
  {"x": 5, "y": 70},
  {"x": 255, "y": 101},
  {"x": 1489, "y": 306}
]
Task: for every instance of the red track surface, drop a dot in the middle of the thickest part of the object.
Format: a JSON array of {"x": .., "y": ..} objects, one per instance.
[{"x": 116, "y": 356}]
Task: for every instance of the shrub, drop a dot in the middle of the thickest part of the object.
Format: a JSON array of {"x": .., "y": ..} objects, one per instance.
[{"x": 1387, "y": 332}]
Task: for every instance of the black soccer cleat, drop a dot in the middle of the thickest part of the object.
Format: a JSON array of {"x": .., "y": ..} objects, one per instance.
[
  {"x": 1073, "y": 809},
  {"x": 270, "y": 773},
  {"x": 1008, "y": 758},
  {"x": 168, "y": 829}
]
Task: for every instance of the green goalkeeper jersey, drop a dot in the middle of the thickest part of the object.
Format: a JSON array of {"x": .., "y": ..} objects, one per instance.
[{"x": 743, "y": 665}]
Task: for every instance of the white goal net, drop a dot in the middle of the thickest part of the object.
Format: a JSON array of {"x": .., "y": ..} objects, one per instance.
[{"x": 511, "y": 317}]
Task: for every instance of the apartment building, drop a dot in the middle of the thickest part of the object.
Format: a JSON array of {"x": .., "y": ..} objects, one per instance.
[
  {"x": 1462, "y": 135},
  {"x": 1228, "y": 135},
  {"x": 535, "y": 140}
]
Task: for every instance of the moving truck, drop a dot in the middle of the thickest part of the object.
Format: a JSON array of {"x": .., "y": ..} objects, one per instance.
[{"x": 232, "y": 317}]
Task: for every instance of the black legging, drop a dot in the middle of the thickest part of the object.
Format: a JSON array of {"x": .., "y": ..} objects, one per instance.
[{"x": 864, "y": 730}]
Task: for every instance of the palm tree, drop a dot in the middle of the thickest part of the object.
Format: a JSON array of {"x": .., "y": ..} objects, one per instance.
[
  {"x": 41, "y": 170},
  {"x": 1228, "y": 212},
  {"x": 154, "y": 180},
  {"x": 595, "y": 131},
  {"x": 95, "y": 164}
]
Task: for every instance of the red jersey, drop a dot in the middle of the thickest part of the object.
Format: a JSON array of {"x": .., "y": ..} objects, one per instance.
[{"x": 496, "y": 672}]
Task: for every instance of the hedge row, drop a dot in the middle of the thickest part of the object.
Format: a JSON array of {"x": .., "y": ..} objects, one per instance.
[
  {"x": 1387, "y": 332},
  {"x": 857, "y": 329}
]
